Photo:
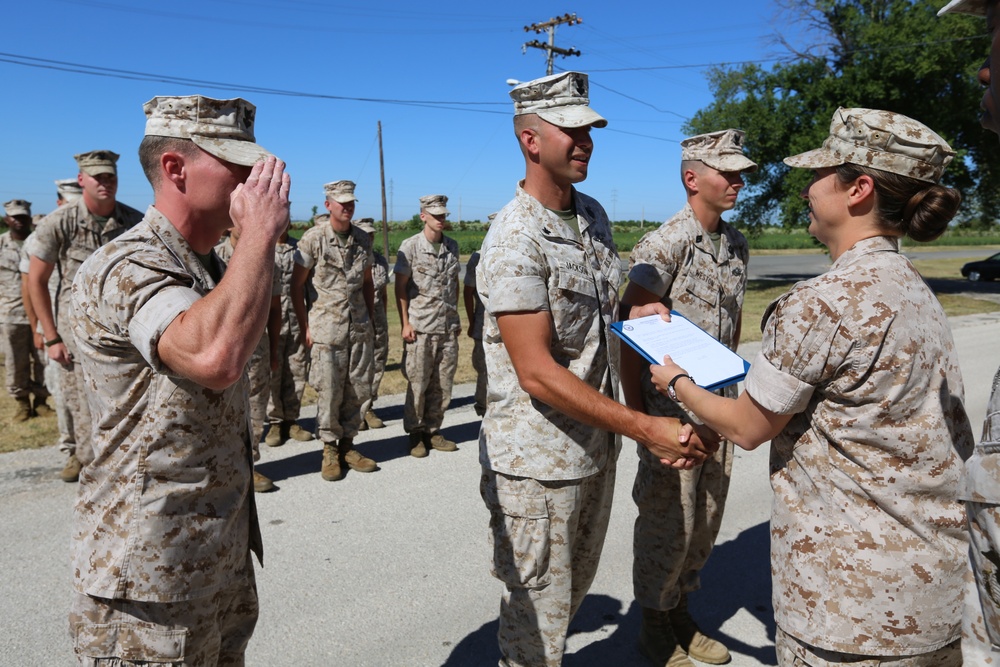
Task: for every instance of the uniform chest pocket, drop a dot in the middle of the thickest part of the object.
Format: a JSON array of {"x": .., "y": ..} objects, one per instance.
[
  {"x": 574, "y": 307},
  {"x": 702, "y": 289},
  {"x": 78, "y": 254}
]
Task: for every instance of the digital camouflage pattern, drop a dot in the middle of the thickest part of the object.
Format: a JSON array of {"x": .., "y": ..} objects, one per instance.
[
  {"x": 680, "y": 511},
  {"x": 546, "y": 539},
  {"x": 166, "y": 512},
  {"x": 793, "y": 653},
  {"x": 289, "y": 380},
  {"x": 380, "y": 279},
  {"x": 11, "y": 303},
  {"x": 981, "y": 491},
  {"x": 433, "y": 284},
  {"x": 722, "y": 150},
  {"x": 429, "y": 364},
  {"x": 868, "y": 539},
  {"x": 476, "y": 332},
  {"x": 341, "y": 329},
  {"x": 881, "y": 140},
  {"x": 532, "y": 261}
]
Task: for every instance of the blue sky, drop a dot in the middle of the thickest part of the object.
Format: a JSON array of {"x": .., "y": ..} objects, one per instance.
[{"x": 455, "y": 55}]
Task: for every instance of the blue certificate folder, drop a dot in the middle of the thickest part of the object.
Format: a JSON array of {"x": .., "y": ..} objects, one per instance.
[{"x": 709, "y": 362}]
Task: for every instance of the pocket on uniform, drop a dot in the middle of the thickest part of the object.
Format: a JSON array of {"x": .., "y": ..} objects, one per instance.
[
  {"x": 135, "y": 642},
  {"x": 703, "y": 290},
  {"x": 519, "y": 537}
]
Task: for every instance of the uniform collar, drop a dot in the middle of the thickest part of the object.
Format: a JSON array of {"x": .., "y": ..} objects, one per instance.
[{"x": 178, "y": 246}]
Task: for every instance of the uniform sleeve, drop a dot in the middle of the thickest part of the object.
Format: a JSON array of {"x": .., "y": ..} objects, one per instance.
[
  {"x": 512, "y": 277},
  {"x": 47, "y": 240},
  {"x": 402, "y": 266},
  {"x": 305, "y": 252},
  {"x": 803, "y": 348},
  {"x": 653, "y": 269},
  {"x": 26, "y": 253},
  {"x": 470, "y": 271}
]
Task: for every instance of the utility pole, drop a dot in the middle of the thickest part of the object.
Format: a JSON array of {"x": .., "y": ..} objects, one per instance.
[
  {"x": 614, "y": 204},
  {"x": 381, "y": 169},
  {"x": 551, "y": 48}
]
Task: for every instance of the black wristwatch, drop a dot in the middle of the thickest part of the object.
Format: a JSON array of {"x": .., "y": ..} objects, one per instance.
[{"x": 670, "y": 387}]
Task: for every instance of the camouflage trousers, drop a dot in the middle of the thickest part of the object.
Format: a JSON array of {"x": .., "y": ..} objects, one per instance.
[
  {"x": 981, "y": 601},
  {"x": 429, "y": 364},
  {"x": 212, "y": 630},
  {"x": 288, "y": 381},
  {"x": 680, "y": 513},
  {"x": 794, "y": 653},
  {"x": 259, "y": 372},
  {"x": 341, "y": 375},
  {"x": 479, "y": 365},
  {"x": 380, "y": 352},
  {"x": 546, "y": 539},
  {"x": 64, "y": 418},
  {"x": 73, "y": 387},
  {"x": 24, "y": 365}
]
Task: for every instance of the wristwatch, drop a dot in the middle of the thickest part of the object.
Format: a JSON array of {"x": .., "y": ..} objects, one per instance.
[{"x": 670, "y": 387}]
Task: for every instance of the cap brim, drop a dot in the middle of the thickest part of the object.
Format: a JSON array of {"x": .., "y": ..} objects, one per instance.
[
  {"x": 972, "y": 7},
  {"x": 572, "y": 115},
  {"x": 730, "y": 163},
  {"x": 344, "y": 199},
  {"x": 245, "y": 153},
  {"x": 437, "y": 210},
  {"x": 815, "y": 159},
  {"x": 99, "y": 169}
]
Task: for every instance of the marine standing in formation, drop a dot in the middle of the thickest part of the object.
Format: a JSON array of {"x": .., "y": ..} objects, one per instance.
[
  {"x": 62, "y": 242},
  {"x": 338, "y": 329},
  {"x": 549, "y": 278},
  {"x": 380, "y": 323},
  {"x": 694, "y": 263},
  {"x": 165, "y": 519},
  {"x": 426, "y": 269}
]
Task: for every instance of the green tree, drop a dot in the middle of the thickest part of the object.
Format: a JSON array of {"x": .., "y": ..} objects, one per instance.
[{"x": 881, "y": 54}]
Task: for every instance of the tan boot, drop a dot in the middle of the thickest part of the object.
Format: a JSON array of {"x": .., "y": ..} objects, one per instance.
[
  {"x": 353, "y": 457},
  {"x": 657, "y": 641},
  {"x": 330, "y": 470},
  {"x": 441, "y": 444},
  {"x": 23, "y": 411},
  {"x": 261, "y": 484},
  {"x": 692, "y": 640},
  {"x": 71, "y": 471},
  {"x": 275, "y": 437},
  {"x": 417, "y": 447},
  {"x": 41, "y": 408},
  {"x": 296, "y": 432},
  {"x": 372, "y": 420}
]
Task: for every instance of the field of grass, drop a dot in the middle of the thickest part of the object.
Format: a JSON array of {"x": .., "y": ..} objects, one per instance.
[{"x": 942, "y": 274}]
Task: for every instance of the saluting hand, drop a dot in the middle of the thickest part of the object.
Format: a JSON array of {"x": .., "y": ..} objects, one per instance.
[{"x": 260, "y": 205}]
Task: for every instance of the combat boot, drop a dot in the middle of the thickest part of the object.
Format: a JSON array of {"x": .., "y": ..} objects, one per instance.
[
  {"x": 353, "y": 457},
  {"x": 417, "y": 447},
  {"x": 275, "y": 435},
  {"x": 694, "y": 641},
  {"x": 261, "y": 484},
  {"x": 23, "y": 411},
  {"x": 71, "y": 471},
  {"x": 41, "y": 408},
  {"x": 440, "y": 443},
  {"x": 330, "y": 471},
  {"x": 372, "y": 420},
  {"x": 296, "y": 432},
  {"x": 657, "y": 641}
]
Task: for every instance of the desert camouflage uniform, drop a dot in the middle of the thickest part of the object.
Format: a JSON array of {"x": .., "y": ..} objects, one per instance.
[
  {"x": 340, "y": 326},
  {"x": 380, "y": 278},
  {"x": 64, "y": 418},
  {"x": 430, "y": 362},
  {"x": 478, "y": 353},
  {"x": 24, "y": 369},
  {"x": 289, "y": 381},
  {"x": 868, "y": 540},
  {"x": 166, "y": 512},
  {"x": 548, "y": 480},
  {"x": 981, "y": 492},
  {"x": 259, "y": 366},
  {"x": 66, "y": 238},
  {"x": 680, "y": 511}
]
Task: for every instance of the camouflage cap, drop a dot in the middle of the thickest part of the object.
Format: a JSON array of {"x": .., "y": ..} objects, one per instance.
[
  {"x": 95, "y": 163},
  {"x": 69, "y": 189},
  {"x": 366, "y": 225},
  {"x": 321, "y": 218},
  {"x": 17, "y": 207},
  {"x": 434, "y": 204},
  {"x": 722, "y": 150},
  {"x": 560, "y": 99},
  {"x": 223, "y": 128},
  {"x": 881, "y": 140},
  {"x": 340, "y": 191},
  {"x": 973, "y": 7}
]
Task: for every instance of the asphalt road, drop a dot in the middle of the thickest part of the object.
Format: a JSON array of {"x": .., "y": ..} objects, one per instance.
[{"x": 391, "y": 568}]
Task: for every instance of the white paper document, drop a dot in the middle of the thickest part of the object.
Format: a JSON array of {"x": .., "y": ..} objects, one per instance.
[{"x": 709, "y": 362}]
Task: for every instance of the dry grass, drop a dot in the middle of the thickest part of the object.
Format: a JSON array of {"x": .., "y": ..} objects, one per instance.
[{"x": 942, "y": 274}]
